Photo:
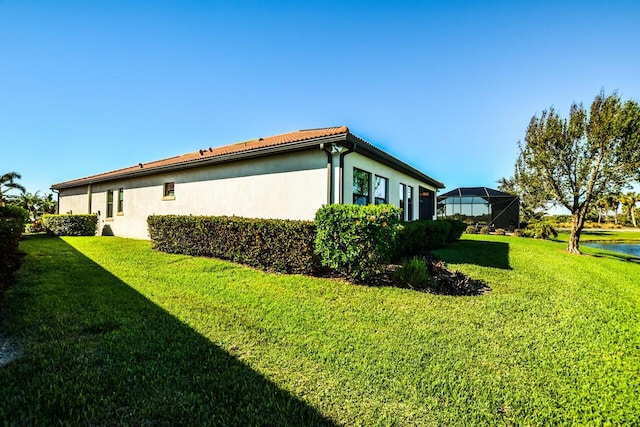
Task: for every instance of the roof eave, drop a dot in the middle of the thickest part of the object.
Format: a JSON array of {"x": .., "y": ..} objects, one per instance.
[
  {"x": 205, "y": 161},
  {"x": 385, "y": 158}
]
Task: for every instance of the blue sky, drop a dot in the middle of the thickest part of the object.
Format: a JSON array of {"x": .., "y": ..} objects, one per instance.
[{"x": 449, "y": 86}]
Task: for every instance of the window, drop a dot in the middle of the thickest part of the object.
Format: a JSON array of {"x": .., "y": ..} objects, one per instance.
[
  {"x": 409, "y": 203},
  {"x": 380, "y": 190},
  {"x": 169, "y": 191},
  {"x": 402, "y": 190},
  {"x": 120, "y": 201},
  {"x": 109, "y": 203},
  {"x": 361, "y": 184}
]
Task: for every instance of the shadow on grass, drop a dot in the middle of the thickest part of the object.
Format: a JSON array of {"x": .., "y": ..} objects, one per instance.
[
  {"x": 96, "y": 352},
  {"x": 608, "y": 253},
  {"x": 617, "y": 257},
  {"x": 477, "y": 252}
]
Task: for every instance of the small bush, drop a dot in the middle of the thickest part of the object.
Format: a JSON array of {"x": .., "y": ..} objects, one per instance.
[
  {"x": 517, "y": 232},
  {"x": 471, "y": 230},
  {"x": 35, "y": 227},
  {"x": 540, "y": 230},
  {"x": 484, "y": 230},
  {"x": 414, "y": 274},
  {"x": 356, "y": 241},
  {"x": 70, "y": 225},
  {"x": 418, "y": 237},
  {"x": 500, "y": 232},
  {"x": 279, "y": 245}
]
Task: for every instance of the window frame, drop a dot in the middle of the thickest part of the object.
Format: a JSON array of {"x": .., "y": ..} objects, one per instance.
[
  {"x": 120, "y": 210},
  {"x": 402, "y": 189},
  {"x": 109, "y": 204},
  {"x": 410, "y": 193},
  {"x": 169, "y": 190}
]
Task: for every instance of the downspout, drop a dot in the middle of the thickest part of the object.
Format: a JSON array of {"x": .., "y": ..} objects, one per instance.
[
  {"x": 58, "y": 200},
  {"x": 342, "y": 156},
  {"x": 327, "y": 150},
  {"x": 89, "y": 193}
]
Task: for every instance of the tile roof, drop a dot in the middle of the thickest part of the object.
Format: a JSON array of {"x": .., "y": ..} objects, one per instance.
[{"x": 208, "y": 153}]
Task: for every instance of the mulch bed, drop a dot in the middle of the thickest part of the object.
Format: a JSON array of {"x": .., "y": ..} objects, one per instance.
[{"x": 442, "y": 281}]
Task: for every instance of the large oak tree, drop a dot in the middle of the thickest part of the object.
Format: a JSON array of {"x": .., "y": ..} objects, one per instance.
[{"x": 575, "y": 161}]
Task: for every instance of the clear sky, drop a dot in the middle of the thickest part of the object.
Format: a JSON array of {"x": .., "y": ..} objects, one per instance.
[{"x": 447, "y": 86}]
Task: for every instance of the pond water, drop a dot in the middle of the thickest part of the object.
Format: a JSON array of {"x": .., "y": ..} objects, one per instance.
[{"x": 624, "y": 247}]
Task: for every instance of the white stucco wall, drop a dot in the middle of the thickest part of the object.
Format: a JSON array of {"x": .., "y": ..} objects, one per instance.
[
  {"x": 74, "y": 200},
  {"x": 286, "y": 186}
]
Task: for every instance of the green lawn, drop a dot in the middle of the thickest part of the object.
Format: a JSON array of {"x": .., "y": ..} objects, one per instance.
[{"x": 114, "y": 333}]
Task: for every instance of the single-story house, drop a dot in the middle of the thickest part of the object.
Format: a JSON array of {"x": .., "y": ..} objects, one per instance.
[{"x": 288, "y": 176}]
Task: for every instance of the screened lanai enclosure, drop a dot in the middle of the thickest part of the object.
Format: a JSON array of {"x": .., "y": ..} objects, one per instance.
[{"x": 480, "y": 206}]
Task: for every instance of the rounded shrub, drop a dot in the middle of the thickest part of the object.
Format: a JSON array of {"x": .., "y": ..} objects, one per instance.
[{"x": 357, "y": 241}]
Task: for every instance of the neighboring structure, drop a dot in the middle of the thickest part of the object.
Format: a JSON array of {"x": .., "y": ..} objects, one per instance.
[
  {"x": 480, "y": 205},
  {"x": 287, "y": 176}
]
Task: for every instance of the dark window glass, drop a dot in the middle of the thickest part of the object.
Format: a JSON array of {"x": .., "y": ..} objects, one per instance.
[
  {"x": 121, "y": 200},
  {"x": 169, "y": 189},
  {"x": 380, "y": 192},
  {"x": 361, "y": 183},
  {"x": 409, "y": 203},
  {"x": 109, "y": 203}
]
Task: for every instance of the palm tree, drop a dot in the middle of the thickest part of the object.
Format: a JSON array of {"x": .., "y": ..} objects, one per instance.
[
  {"x": 48, "y": 205},
  {"x": 613, "y": 201},
  {"x": 30, "y": 202},
  {"x": 605, "y": 205},
  {"x": 36, "y": 204},
  {"x": 602, "y": 207},
  {"x": 8, "y": 183},
  {"x": 629, "y": 201}
]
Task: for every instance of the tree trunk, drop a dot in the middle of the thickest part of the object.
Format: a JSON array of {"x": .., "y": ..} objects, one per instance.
[
  {"x": 577, "y": 223},
  {"x": 633, "y": 215}
]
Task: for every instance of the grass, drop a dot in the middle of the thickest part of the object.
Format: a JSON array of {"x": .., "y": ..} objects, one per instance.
[{"x": 114, "y": 333}]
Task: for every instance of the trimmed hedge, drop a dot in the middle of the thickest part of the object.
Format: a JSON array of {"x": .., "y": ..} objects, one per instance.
[
  {"x": 418, "y": 237},
  {"x": 279, "y": 245},
  {"x": 457, "y": 228},
  {"x": 356, "y": 241},
  {"x": 70, "y": 225},
  {"x": 12, "y": 222}
]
